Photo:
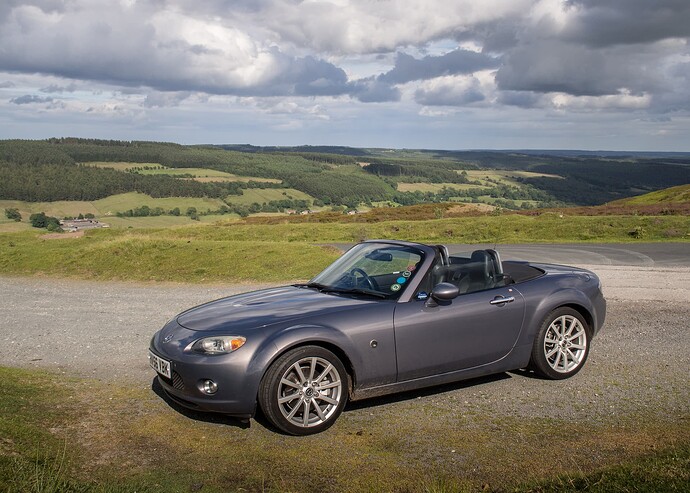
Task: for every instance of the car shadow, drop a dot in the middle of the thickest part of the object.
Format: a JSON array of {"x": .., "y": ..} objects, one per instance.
[
  {"x": 206, "y": 417},
  {"x": 524, "y": 372},
  {"x": 372, "y": 402},
  {"x": 425, "y": 392}
]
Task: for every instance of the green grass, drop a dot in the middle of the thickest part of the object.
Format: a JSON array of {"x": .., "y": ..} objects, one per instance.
[
  {"x": 506, "y": 228},
  {"x": 88, "y": 436},
  {"x": 668, "y": 471},
  {"x": 123, "y": 255}
]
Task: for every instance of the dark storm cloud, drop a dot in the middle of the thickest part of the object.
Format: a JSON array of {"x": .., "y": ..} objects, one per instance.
[
  {"x": 310, "y": 76},
  {"x": 407, "y": 68},
  {"x": 30, "y": 99},
  {"x": 555, "y": 66},
  {"x": 609, "y": 22}
]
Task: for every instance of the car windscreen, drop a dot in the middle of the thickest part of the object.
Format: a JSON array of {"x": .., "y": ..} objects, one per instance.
[{"x": 377, "y": 269}]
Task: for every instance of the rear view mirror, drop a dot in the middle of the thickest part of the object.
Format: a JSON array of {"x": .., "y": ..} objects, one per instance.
[{"x": 380, "y": 256}]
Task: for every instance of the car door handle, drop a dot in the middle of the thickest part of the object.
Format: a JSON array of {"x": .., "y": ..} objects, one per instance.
[{"x": 501, "y": 300}]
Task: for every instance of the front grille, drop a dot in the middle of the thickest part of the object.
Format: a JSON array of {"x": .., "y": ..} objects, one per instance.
[{"x": 177, "y": 381}]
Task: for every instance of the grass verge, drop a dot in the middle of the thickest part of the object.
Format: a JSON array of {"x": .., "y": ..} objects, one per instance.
[
  {"x": 89, "y": 436},
  {"x": 236, "y": 251}
]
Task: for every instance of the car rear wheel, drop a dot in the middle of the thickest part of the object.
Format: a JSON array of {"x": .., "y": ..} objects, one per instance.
[
  {"x": 304, "y": 391},
  {"x": 561, "y": 345}
]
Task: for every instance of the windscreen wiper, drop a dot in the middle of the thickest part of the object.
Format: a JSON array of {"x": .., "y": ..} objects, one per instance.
[
  {"x": 356, "y": 291},
  {"x": 314, "y": 285}
]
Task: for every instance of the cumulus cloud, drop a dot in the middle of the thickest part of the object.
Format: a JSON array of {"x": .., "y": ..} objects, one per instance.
[
  {"x": 146, "y": 45},
  {"x": 450, "y": 91}
]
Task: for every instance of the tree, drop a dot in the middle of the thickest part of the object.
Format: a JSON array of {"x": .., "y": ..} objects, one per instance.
[
  {"x": 38, "y": 220},
  {"x": 13, "y": 213}
]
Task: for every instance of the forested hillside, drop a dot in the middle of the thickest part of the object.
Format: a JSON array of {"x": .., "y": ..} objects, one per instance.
[{"x": 58, "y": 169}]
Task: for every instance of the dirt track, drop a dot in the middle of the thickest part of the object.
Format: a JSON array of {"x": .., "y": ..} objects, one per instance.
[{"x": 102, "y": 329}]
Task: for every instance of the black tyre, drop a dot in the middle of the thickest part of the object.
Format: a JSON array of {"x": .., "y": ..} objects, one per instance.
[
  {"x": 561, "y": 345},
  {"x": 304, "y": 391}
]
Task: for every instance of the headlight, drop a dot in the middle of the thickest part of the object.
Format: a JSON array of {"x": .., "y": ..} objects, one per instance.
[{"x": 217, "y": 344}]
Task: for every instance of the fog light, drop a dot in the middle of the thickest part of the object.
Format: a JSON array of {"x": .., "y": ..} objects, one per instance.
[{"x": 209, "y": 387}]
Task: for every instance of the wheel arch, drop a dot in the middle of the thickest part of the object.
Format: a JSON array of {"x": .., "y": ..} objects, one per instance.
[
  {"x": 582, "y": 310},
  {"x": 330, "y": 346},
  {"x": 571, "y": 298},
  {"x": 326, "y": 338}
]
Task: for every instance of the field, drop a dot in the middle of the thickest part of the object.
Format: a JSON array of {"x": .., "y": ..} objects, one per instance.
[
  {"x": 205, "y": 174},
  {"x": 105, "y": 209},
  {"x": 122, "y": 166},
  {"x": 259, "y": 195},
  {"x": 434, "y": 187}
]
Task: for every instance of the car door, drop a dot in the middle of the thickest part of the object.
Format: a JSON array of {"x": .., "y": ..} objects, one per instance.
[{"x": 473, "y": 329}]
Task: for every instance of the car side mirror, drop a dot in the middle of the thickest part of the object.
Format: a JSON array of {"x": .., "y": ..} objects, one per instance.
[{"x": 443, "y": 291}]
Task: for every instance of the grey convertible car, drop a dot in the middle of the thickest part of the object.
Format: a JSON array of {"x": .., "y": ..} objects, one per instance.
[{"x": 387, "y": 316}]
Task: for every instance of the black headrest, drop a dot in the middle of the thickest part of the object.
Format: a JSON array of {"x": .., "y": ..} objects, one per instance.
[{"x": 482, "y": 260}]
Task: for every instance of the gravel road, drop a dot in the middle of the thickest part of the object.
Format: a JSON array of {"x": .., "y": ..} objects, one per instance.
[{"x": 102, "y": 330}]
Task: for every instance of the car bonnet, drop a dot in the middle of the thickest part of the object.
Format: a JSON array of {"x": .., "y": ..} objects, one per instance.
[{"x": 264, "y": 308}]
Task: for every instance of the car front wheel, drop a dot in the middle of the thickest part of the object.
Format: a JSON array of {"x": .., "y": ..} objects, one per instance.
[
  {"x": 304, "y": 391},
  {"x": 561, "y": 345}
]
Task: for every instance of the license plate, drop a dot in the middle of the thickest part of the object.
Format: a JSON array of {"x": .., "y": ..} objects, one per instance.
[{"x": 160, "y": 365}]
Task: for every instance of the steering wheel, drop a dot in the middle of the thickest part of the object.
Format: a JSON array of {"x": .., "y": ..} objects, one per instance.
[{"x": 369, "y": 281}]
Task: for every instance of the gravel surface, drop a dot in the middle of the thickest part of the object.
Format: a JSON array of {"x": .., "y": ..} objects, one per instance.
[{"x": 102, "y": 330}]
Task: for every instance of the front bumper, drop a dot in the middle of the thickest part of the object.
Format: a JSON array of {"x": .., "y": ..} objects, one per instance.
[{"x": 236, "y": 396}]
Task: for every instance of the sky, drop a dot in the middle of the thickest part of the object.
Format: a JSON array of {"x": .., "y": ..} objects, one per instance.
[{"x": 430, "y": 74}]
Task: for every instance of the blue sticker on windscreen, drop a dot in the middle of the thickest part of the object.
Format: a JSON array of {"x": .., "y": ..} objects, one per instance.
[{"x": 401, "y": 280}]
